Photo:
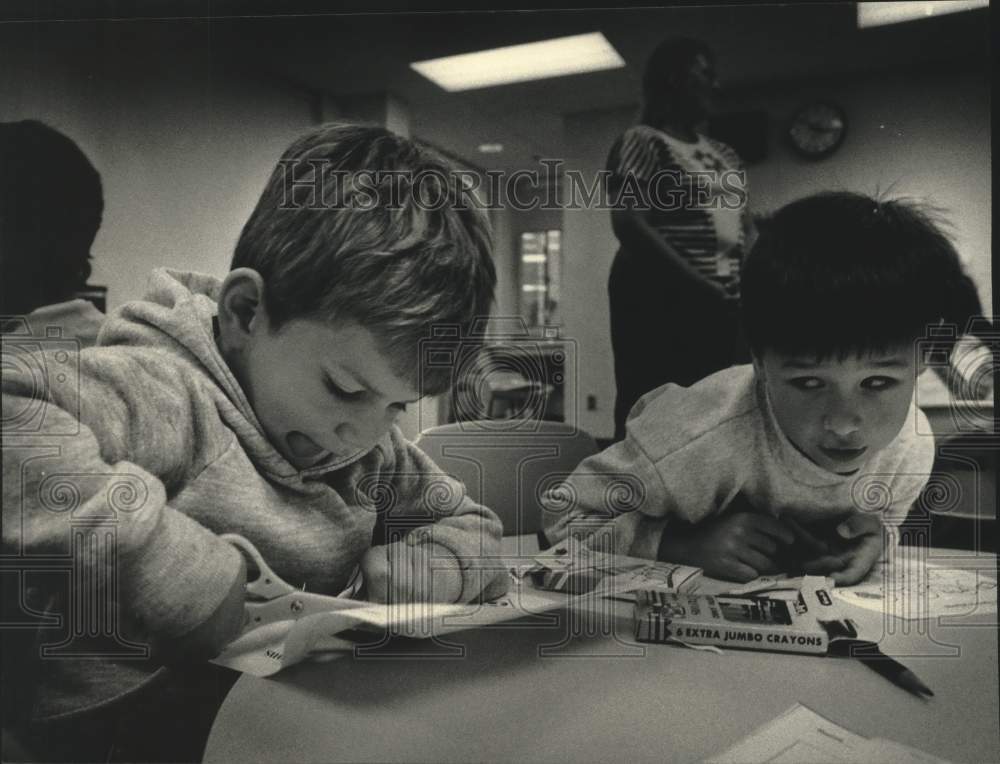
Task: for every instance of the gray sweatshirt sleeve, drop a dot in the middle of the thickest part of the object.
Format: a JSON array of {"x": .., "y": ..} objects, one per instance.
[
  {"x": 617, "y": 496},
  {"x": 431, "y": 503},
  {"x": 103, "y": 446}
]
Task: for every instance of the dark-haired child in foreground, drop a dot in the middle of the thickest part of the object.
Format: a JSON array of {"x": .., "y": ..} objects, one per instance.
[
  {"x": 797, "y": 461},
  {"x": 264, "y": 404}
]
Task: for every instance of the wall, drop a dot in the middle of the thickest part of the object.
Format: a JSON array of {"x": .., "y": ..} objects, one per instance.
[
  {"x": 183, "y": 144},
  {"x": 504, "y": 257},
  {"x": 925, "y": 136},
  {"x": 588, "y": 249}
]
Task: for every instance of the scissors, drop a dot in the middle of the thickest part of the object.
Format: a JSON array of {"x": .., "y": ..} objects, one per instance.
[{"x": 270, "y": 599}]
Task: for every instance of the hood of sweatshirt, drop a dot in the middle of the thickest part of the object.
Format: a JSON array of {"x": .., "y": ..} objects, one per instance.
[{"x": 176, "y": 316}]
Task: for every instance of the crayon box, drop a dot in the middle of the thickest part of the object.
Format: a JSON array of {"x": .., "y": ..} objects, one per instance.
[{"x": 802, "y": 621}]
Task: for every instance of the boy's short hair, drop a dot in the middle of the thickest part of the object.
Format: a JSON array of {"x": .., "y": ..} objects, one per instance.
[
  {"x": 51, "y": 204},
  {"x": 840, "y": 273},
  {"x": 361, "y": 224}
]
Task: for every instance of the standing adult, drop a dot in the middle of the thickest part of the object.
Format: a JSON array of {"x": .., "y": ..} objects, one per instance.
[{"x": 679, "y": 214}]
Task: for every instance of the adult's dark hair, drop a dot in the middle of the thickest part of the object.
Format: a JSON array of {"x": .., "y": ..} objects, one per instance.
[
  {"x": 51, "y": 203},
  {"x": 840, "y": 273},
  {"x": 667, "y": 65},
  {"x": 361, "y": 224}
]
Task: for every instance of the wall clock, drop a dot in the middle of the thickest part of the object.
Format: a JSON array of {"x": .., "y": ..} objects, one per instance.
[{"x": 817, "y": 129}]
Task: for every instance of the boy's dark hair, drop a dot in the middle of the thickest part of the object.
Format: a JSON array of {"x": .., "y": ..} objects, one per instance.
[
  {"x": 51, "y": 204},
  {"x": 840, "y": 273},
  {"x": 670, "y": 59},
  {"x": 357, "y": 223}
]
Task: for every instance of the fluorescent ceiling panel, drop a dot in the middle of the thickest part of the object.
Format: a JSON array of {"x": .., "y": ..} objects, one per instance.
[
  {"x": 878, "y": 14},
  {"x": 519, "y": 63}
]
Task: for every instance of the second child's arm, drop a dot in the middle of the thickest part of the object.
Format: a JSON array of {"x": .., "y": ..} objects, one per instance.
[
  {"x": 614, "y": 498},
  {"x": 739, "y": 545},
  {"x": 744, "y": 543},
  {"x": 859, "y": 536},
  {"x": 859, "y": 548}
]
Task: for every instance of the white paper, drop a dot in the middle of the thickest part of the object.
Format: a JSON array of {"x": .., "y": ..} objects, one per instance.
[
  {"x": 890, "y": 752},
  {"x": 271, "y": 647},
  {"x": 801, "y": 736},
  {"x": 914, "y": 589},
  {"x": 621, "y": 574},
  {"x": 770, "y": 584}
]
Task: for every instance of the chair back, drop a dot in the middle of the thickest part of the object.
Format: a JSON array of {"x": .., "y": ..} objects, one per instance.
[{"x": 507, "y": 464}]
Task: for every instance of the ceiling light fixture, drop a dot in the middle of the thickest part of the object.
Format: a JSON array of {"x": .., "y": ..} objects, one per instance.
[
  {"x": 879, "y": 14},
  {"x": 575, "y": 54}
]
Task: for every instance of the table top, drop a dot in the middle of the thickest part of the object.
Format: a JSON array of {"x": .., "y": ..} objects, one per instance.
[{"x": 575, "y": 686}]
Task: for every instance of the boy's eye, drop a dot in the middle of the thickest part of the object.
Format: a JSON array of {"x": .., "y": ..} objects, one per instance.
[
  {"x": 879, "y": 383},
  {"x": 338, "y": 391},
  {"x": 806, "y": 383}
]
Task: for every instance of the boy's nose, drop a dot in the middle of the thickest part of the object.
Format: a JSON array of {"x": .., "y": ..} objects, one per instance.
[
  {"x": 841, "y": 422},
  {"x": 363, "y": 431}
]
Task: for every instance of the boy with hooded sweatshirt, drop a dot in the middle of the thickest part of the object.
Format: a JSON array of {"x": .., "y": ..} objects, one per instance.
[{"x": 262, "y": 404}]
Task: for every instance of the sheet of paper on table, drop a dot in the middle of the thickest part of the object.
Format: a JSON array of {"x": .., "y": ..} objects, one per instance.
[
  {"x": 620, "y": 576},
  {"x": 572, "y": 566},
  {"x": 801, "y": 736},
  {"x": 914, "y": 588},
  {"x": 270, "y": 648},
  {"x": 708, "y": 585}
]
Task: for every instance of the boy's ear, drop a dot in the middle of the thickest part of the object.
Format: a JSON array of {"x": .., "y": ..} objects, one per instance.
[{"x": 241, "y": 304}]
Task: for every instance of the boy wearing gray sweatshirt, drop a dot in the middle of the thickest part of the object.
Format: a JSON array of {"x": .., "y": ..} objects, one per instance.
[{"x": 261, "y": 404}]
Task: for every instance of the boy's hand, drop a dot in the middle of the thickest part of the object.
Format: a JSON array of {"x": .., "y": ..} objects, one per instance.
[
  {"x": 854, "y": 556},
  {"x": 411, "y": 571},
  {"x": 736, "y": 546}
]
